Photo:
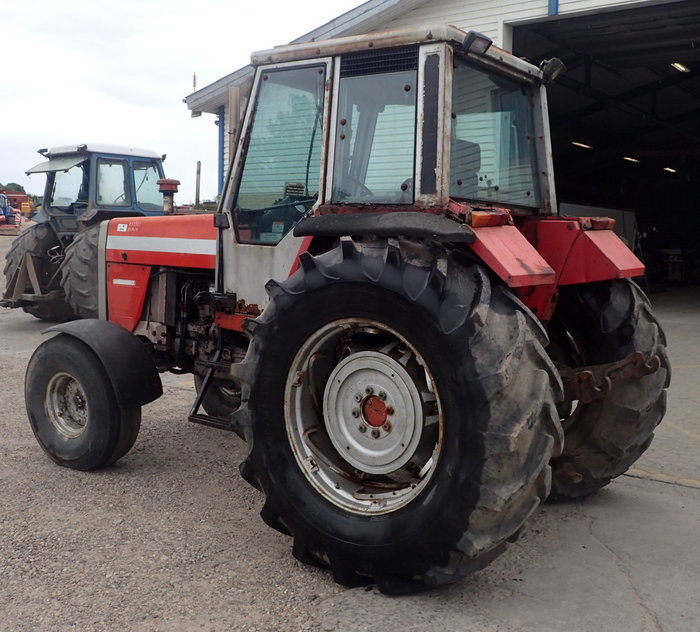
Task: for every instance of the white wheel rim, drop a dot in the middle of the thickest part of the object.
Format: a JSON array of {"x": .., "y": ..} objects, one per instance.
[
  {"x": 66, "y": 405},
  {"x": 366, "y": 430},
  {"x": 355, "y": 385}
]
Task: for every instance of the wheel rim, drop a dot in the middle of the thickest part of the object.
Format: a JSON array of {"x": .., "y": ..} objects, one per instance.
[
  {"x": 363, "y": 416},
  {"x": 66, "y": 405}
]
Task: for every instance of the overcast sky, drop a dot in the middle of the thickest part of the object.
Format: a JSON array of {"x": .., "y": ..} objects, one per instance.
[{"x": 81, "y": 71}]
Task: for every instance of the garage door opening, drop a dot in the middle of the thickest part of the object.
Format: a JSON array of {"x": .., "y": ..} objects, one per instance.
[{"x": 626, "y": 124}]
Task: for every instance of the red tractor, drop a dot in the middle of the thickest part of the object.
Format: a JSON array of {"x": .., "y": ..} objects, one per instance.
[{"x": 386, "y": 307}]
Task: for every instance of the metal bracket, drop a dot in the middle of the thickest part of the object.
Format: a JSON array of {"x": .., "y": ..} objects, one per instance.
[
  {"x": 26, "y": 275},
  {"x": 589, "y": 383}
]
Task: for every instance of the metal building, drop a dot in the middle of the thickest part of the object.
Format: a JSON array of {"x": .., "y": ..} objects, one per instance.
[{"x": 625, "y": 117}]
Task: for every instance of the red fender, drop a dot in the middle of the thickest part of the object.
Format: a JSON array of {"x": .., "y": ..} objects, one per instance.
[
  {"x": 542, "y": 253},
  {"x": 580, "y": 250},
  {"x": 505, "y": 250}
]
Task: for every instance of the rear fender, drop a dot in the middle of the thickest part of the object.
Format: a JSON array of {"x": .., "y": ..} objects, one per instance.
[
  {"x": 580, "y": 250},
  {"x": 126, "y": 360},
  {"x": 511, "y": 256}
]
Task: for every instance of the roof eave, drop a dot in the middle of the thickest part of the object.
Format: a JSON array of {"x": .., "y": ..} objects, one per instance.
[{"x": 210, "y": 98}]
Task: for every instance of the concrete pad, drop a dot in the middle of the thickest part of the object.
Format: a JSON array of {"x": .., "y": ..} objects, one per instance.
[{"x": 170, "y": 538}]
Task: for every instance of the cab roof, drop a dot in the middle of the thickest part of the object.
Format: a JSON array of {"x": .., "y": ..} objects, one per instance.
[
  {"x": 99, "y": 148},
  {"x": 492, "y": 56}
]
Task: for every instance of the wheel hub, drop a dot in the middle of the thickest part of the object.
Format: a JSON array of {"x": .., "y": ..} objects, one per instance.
[
  {"x": 66, "y": 405},
  {"x": 373, "y": 412}
]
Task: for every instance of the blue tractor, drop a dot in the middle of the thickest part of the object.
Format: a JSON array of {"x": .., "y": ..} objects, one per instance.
[
  {"x": 6, "y": 214},
  {"x": 50, "y": 267}
]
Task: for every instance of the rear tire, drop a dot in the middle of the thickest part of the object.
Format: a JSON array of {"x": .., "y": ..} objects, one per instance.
[
  {"x": 453, "y": 363},
  {"x": 600, "y": 323},
  {"x": 79, "y": 273},
  {"x": 72, "y": 408},
  {"x": 38, "y": 240}
]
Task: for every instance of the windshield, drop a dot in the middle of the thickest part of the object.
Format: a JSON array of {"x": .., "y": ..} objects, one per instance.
[
  {"x": 493, "y": 142},
  {"x": 69, "y": 187}
]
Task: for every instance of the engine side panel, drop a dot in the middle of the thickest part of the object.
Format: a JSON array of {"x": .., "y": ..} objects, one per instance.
[
  {"x": 137, "y": 244},
  {"x": 127, "y": 285}
]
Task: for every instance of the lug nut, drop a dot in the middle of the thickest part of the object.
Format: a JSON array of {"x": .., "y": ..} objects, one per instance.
[
  {"x": 387, "y": 426},
  {"x": 356, "y": 412},
  {"x": 369, "y": 390},
  {"x": 375, "y": 433},
  {"x": 390, "y": 410},
  {"x": 362, "y": 428},
  {"x": 382, "y": 395},
  {"x": 358, "y": 398}
]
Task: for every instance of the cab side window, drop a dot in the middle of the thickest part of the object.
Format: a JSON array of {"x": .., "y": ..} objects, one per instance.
[{"x": 281, "y": 176}]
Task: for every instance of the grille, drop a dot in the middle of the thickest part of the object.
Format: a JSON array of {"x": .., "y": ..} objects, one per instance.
[{"x": 379, "y": 61}]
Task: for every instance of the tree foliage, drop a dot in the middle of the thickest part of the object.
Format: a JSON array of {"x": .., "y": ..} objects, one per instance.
[{"x": 12, "y": 187}]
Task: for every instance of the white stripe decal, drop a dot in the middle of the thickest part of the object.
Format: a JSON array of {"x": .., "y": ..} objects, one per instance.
[
  {"x": 124, "y": 282},
  {"x": 163, "y": 244}
]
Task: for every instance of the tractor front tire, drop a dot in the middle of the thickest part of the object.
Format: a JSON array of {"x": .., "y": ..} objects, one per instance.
[
  {"x": 600, "y": 323},
  {"x": 79, "y": 273},
  {"x": 72, "y": 407},
  {"x": 399, "y": 407},
  {"x": 37, "y": 240}
]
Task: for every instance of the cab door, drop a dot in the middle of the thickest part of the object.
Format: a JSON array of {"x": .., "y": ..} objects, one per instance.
[{"x": 277, "y": 177}]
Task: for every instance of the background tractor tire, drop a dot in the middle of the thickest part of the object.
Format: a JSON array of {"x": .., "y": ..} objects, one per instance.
[
  {"x": 72, "y": 407},
  {"x": 79, "y": 273},
  {"x": 38, "y": 239},
  {"x": 447, "y": 375},
  {"x": 598, "y": 323},
  {"x": 221, "y": 398}
]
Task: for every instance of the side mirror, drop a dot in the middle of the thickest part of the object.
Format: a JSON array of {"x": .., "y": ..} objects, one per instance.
[{"x": 551, "y": 69}]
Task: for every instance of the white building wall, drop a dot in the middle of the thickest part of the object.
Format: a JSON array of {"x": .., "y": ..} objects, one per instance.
[
  {"x": 494, "y": 17},
  {"x": 485, "y": 16},
  {"x": 573, "y": 6}
]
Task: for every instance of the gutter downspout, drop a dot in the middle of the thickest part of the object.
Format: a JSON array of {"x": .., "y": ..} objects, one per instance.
[{"x": 221, "y": 122}]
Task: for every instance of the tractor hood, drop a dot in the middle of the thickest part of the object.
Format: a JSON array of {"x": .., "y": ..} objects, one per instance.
[{"x": 59, "y": 163}]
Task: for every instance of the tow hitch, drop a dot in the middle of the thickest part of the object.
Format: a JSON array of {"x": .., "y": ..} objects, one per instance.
[{"x": 589, "y": 383}]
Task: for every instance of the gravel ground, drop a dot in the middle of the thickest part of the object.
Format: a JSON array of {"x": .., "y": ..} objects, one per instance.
[{"x": 169, "y": 539}]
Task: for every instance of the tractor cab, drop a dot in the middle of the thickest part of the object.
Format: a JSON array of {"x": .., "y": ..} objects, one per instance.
[
  {"x": 404, "y": 121},
  {"x": 93, "y": 182}
]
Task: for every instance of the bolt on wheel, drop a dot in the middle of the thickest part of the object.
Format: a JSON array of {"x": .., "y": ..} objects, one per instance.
[{"x": 363, "y": 416}]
